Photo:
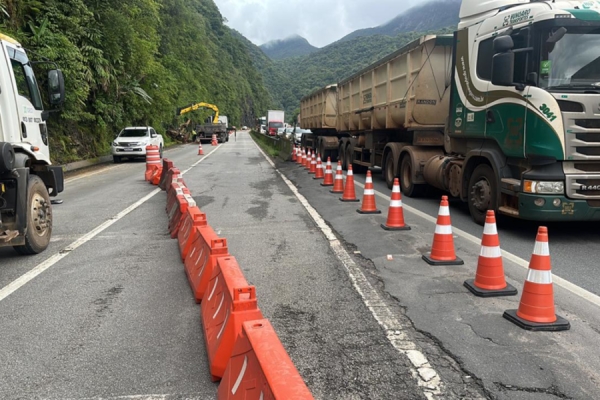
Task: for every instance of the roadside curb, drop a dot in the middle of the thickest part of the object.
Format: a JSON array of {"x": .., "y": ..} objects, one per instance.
[{"x": 86, "y": 163}]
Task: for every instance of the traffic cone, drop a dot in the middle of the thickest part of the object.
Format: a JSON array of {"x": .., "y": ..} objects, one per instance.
[
  {"x": 313, "y": 165},
  {"x": 395, "y": 219},
  {"x": 489, "y": 279},
  {"x": 368, "y": 203},
  {"x": 349, "y": 190},
  {"x": 536, "y": 309},
  {"x": 303, "y": 159},
  {"x": 294, "y": 152},
  {"x": 338, "y": 183},
  {"x": 328, "y": 181},
  {"x": 319, "y": 172},
  {"x": 308, "y": 160},
  {"x": 442, "y": 249},
  {"x": 200, "y": 151},
  {"x": 213, "y": 142}
]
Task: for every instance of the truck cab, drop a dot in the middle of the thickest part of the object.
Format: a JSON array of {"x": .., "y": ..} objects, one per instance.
[{"x": 27, "y": 178}]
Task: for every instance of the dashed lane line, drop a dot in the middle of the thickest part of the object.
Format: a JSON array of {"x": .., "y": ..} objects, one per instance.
[{"x": 49, "y": 262}]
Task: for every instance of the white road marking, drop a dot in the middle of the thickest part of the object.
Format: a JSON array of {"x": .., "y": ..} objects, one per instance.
[
  {"x": 52, "y": 260},
  {"x": 426, "y": 376},
  {"x": 565, "y": 284}
]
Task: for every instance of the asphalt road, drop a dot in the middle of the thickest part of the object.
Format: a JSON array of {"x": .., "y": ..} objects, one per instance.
[{"x": 106, "y": 311}]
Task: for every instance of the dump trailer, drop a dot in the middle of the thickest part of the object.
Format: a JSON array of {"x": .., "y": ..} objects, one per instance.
[
  {"x": 27, "y": 177},
  {"x": 504, "y": 114}
]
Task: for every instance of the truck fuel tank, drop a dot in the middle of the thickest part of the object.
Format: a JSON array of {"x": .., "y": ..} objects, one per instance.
[{"x": 444, "y": 172}]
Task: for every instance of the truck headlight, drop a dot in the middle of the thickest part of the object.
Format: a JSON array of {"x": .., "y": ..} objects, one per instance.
[
  {"x": 115, "y": 144},
  {"x": 544, "y": 187}
]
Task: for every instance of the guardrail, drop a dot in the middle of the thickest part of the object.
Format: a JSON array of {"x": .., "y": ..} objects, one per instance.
[{"x": 282, "y": 145}]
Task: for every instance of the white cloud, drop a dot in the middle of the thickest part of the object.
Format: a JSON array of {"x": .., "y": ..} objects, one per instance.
[{"x": 319, "y": 21}]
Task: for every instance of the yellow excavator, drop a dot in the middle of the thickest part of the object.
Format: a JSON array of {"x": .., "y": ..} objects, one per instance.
[
  {"x": 206, "y": 131},
  {"x": 194, "y": 107}
]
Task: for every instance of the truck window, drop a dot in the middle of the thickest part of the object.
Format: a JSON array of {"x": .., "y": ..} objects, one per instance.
[
  {"x": 26, "y": 83},
  {"x": 484, "y": 59}
]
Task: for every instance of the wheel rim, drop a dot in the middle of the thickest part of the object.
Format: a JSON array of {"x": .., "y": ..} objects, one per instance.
[
  {"x": 481, "y": 195},
  {"x": 40, "y": 214}
]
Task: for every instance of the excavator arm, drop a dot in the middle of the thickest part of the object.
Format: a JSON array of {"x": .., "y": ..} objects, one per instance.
[{"x": 194, "y": 107}]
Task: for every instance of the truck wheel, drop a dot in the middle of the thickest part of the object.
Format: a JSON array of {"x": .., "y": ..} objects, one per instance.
[
  {"x": 408, "y": 187},
  {"x": 117, "y": 159},
  {"x": 388, "y": 171},
  {"x": 483, "y": 193},
  {"x": 39, "y": 218}
]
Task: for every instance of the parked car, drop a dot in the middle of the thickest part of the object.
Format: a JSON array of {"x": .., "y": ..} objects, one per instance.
[
  {"x": 131, "y": 142},
  {"x": 297, "y": 134},
  {"x": 280, "y": 131}
]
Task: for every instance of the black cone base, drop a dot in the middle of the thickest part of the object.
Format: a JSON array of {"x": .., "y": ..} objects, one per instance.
[
  {"x": 396, "y": 228},
  {"x": 323, "y": 184},
  {"x": 430, "y": 261},
  {"x": 509, "y": 290},
  {"x": 368, "y": 212},
  {"x": 560, "y": 324},
  {"x": 348, "y": 201},
  {"x": 336, "y": 191}
]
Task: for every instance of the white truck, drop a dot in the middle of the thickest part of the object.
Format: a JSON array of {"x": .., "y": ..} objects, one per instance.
[
  {"x": 275, "y": 120},
  {"x": 27, "y": 176}
]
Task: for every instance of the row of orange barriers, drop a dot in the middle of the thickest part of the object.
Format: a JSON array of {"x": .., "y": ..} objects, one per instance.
[{"x": 244, "y": 351}]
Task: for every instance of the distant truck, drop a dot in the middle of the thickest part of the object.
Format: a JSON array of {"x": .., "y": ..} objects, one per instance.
[
  {"x": 27, "y": 177},
  {"x": 275, "y": 119},
  {"x": 213, "y": 125},
  {"x": 504, "y": 114}
]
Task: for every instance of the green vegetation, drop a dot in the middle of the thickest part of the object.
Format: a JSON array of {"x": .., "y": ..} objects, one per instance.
[{"x": 133, "y": 62}]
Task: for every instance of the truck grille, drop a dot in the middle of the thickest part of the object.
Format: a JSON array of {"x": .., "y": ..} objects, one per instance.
[
  {"x": 588, "y": 123},
  {"x": 582, "y": 128},
  {"x": 583, "y": 187}
]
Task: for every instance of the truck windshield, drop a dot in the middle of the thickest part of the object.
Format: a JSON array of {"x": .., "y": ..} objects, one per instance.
[
  {"x": 572, "y": 62},
  {"x": 134, "y": 133},
  {"x": 275, "y": 124}
]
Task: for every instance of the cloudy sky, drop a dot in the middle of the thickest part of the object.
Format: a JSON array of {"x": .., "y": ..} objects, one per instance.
[{"x": 319, "y": 21}]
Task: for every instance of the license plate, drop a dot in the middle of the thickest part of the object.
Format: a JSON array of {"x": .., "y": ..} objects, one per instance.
[{"x": 128, "y": 149}]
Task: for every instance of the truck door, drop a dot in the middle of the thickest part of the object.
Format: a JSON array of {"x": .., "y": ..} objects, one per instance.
[
  {"x": 506, "y": 107},
  {"x": 29, "y": 103}
]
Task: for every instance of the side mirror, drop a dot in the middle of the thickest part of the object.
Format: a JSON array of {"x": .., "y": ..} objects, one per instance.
[
  {"x": 503, "y": 69},
  {"x": 153, "y": 135},
  {"x": 503, "y": 44},
  {"x": 56, "y": 87}
]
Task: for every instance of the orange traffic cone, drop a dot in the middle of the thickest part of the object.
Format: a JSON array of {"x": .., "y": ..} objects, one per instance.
[
  {"x": 395, "y": 219},
  {"x": 308, "y": 160},
  {"x": 349, "y": 190},
  {"x": 200, "y": 151},
  {"x": 213, "y": 142},
  {"x": 338, "y": 183},
  {"x": 328, "y": 181},
  {"x": 319, "y": 172},
  {"x": 536, "y": 309},
  {"x": 294, "y": 152},
  {"x": 303, "y": 158},
  {"x": 489, "y": 279},
  {"x": 368, "y": 203},
  {"x": 442, "y": 249},
  {"x": 313, "y": 164}
]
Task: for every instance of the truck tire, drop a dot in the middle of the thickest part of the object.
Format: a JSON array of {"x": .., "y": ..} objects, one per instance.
[
  {"x": 117, "y": 159},
  {"x": 39, "y": 218},
  {"x": 408, "y": 187},
  {"x": 388, "y": 171},
  {"x": 483, "y": 193}
]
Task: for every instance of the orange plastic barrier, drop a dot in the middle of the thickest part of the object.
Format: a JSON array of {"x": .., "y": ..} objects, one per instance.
[
  {"x": 260, "y": 368},
  {"x": 156, "y": 175},
  {"x": 229, "y": 301},
  {"x": 202, "y": 258},
  {"x": 175, "y": 189},
  {"x": 192, "y": 219},
  {"x": 176, "y": 217},
  {"x": 166, "y": 166},
  {"x": 152, "y": 161}
]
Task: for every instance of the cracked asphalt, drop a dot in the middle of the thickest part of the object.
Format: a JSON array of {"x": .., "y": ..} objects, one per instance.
[{"x": 115, "y": 318}]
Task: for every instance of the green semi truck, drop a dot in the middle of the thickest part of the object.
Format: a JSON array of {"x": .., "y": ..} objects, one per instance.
[{"x": 504, "y": 114}]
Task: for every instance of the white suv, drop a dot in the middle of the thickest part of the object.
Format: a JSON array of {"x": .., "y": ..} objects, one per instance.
[{"x": 132, "y": 142}]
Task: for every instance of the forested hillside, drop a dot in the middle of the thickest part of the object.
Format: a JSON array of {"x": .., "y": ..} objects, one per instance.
[
  {"x": 290, "y": 47},
  {"x": 133, "y": 62}
]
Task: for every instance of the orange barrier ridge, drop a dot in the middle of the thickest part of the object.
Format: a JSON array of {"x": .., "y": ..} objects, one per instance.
[
  {"x": 192, "y": 219},
  {"x": 166, "y": 166},
  {"x": 229, "y": 302},
  {"x": 176, "y": 189},
  {"x": 183, "y": 203},
  {"x": 260, "y": 368},
  {"x": 201, "y": 260},
  {"x": 169, "y": 177}
]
